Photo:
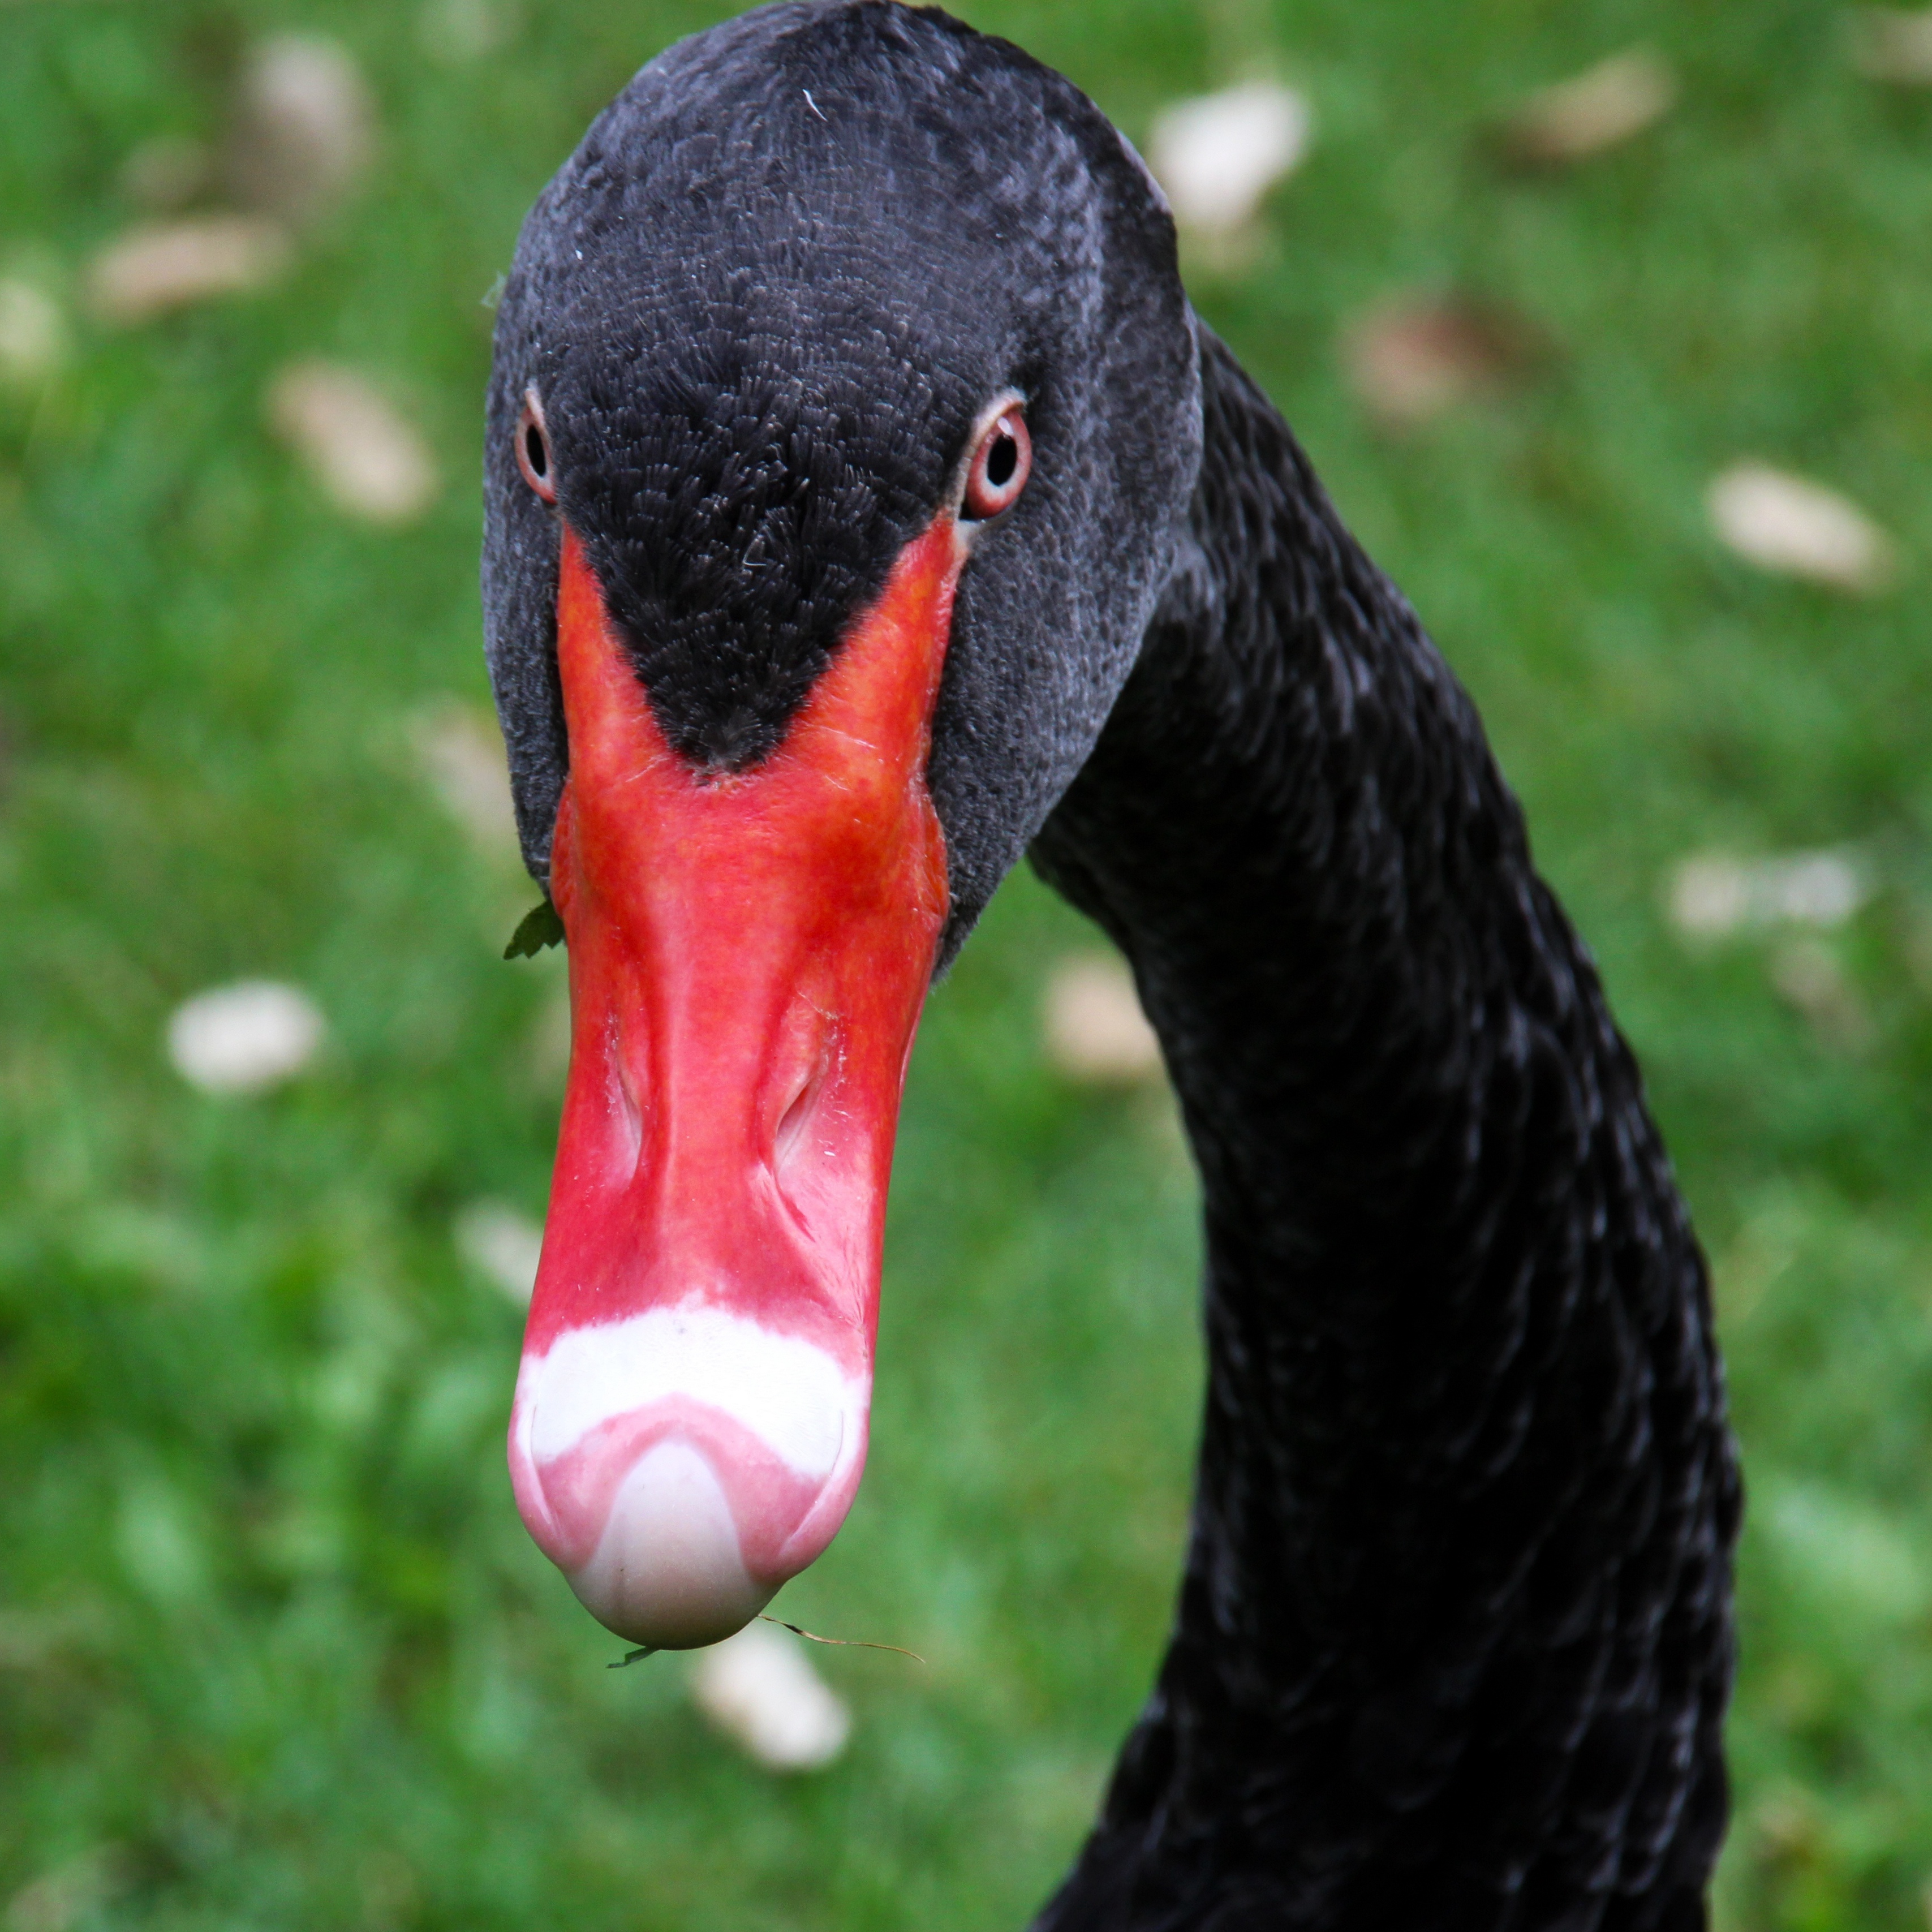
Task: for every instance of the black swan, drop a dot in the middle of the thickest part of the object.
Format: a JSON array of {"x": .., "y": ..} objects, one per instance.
[{"x": 866, "y": 507}]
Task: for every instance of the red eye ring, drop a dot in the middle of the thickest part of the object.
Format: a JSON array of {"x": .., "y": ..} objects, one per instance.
[
  {"x": 533, "y": 451},
  {"x": 1000, "y": 467}
]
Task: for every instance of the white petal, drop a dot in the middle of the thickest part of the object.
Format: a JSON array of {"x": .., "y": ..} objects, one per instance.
[
  {"x": 243, "y": 1038},
  {"x": 1217, "y": 155},
  {"x": 1798, "y": 528},
  {"x": 151, "y": 270},
  {"x": 462, "y": 752},
  {"x": 62, "y": 1898},
  {"x": 758, "y": 1689},
  {"x": 1821, "y": 889},
  {"x": 1714, "y": 893},
  {"x": 306, "y": 126},
  {"x": 33, "y": 337},
  {"x": 1807, "y": 976},
  {"x": 1094, "y": 1029},
  {"x": 1710, "y": 896},
  {"x": 1890, "y": 45},
  {"x": 1601, "y": 108},
  {"x": 369, "y": 459},
  {"x": 504, "y": 1246},
  {"x": 1415, "y": 358},
  {"x": 464, "y": 30}
]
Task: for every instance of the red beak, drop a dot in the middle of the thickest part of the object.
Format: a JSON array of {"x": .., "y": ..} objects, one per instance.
[{"x": 748, "y": 956}]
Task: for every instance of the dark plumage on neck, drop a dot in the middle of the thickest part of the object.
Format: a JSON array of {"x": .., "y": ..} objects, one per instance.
[{"x": 1453, "y": 1645}]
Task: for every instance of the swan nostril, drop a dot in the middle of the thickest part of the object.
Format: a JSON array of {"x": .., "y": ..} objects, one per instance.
[
  {"x": 794, "y": 1122},
  {"x": 628, "y": 1091},
  {"x": 804, "y": 1050}
]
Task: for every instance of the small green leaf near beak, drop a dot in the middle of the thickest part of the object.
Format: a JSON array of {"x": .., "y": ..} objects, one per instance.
[{"x": 540, "y": 927}]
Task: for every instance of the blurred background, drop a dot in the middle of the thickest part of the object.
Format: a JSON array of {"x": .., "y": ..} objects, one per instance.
[{"x": 1610, "y": 325}]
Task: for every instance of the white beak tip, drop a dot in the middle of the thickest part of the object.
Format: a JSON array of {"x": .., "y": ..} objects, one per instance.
[{"x": 669, "y": 1569}]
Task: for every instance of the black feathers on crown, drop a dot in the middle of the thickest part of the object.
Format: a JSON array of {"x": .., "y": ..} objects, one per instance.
[
  {"x": 762, "y": 306},
  {"x": 745, "y": 439}
]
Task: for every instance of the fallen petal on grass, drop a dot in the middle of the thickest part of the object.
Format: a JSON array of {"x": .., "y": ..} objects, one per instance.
[
  {"x": 370, "y": 460},
  {"x": 1714, "y": 895},
  {"x": 1217, "y": 155},
  {"x": 30, "y": 1640},
  {"x": 1892, "y": 44},
  {"x": 305, "y": 127},
  {"x": 463, "y": 757},
  {"x": 33, "y": 333},
  {"x": 501, "y": 1245},
  {"x": 454, "y": 31},
  {"x": 61, "y": 1899},
  {"x": 1417, "y": 357},
  {"x": 244, "y": 1038},
  {"x": 760, "y": 1690},
  {"x": 1787, "y": 1825},
  {"x": 153, "y": 269},
  {"x": 1797, "y": 528},
  {"x": 1093, "y": 1027},
  {"x": 1809, "y": 978},
  {"x": 1600, "y": 109}
]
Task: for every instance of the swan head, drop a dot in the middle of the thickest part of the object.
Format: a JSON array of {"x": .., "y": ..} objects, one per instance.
[{"x": 844, "y": 417}]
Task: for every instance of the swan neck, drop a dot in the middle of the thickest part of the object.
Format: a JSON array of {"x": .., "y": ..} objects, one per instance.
[{"x": 1454, "y": 1643}]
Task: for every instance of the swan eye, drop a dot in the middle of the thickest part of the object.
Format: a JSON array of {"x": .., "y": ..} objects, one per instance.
[
  {"x": 1000, "y": 466},
  {"x": 533, "y": 457}
]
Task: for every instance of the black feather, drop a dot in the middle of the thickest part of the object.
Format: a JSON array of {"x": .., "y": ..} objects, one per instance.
[{"x": 1454, "y": 1641}]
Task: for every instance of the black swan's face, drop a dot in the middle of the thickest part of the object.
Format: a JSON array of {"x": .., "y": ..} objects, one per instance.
[{"x": 843, "y": 416}]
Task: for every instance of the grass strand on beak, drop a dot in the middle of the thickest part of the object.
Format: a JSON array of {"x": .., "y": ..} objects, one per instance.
[
  {"x": 841, "y": 1642},
  {"x": 643, "y": 1651}
]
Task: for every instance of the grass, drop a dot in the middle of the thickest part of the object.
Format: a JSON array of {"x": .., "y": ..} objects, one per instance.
[{"x": 273, "y": 1651}]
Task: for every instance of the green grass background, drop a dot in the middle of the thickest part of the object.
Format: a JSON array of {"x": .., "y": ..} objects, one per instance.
[{"x": 274, "y": 1652}]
